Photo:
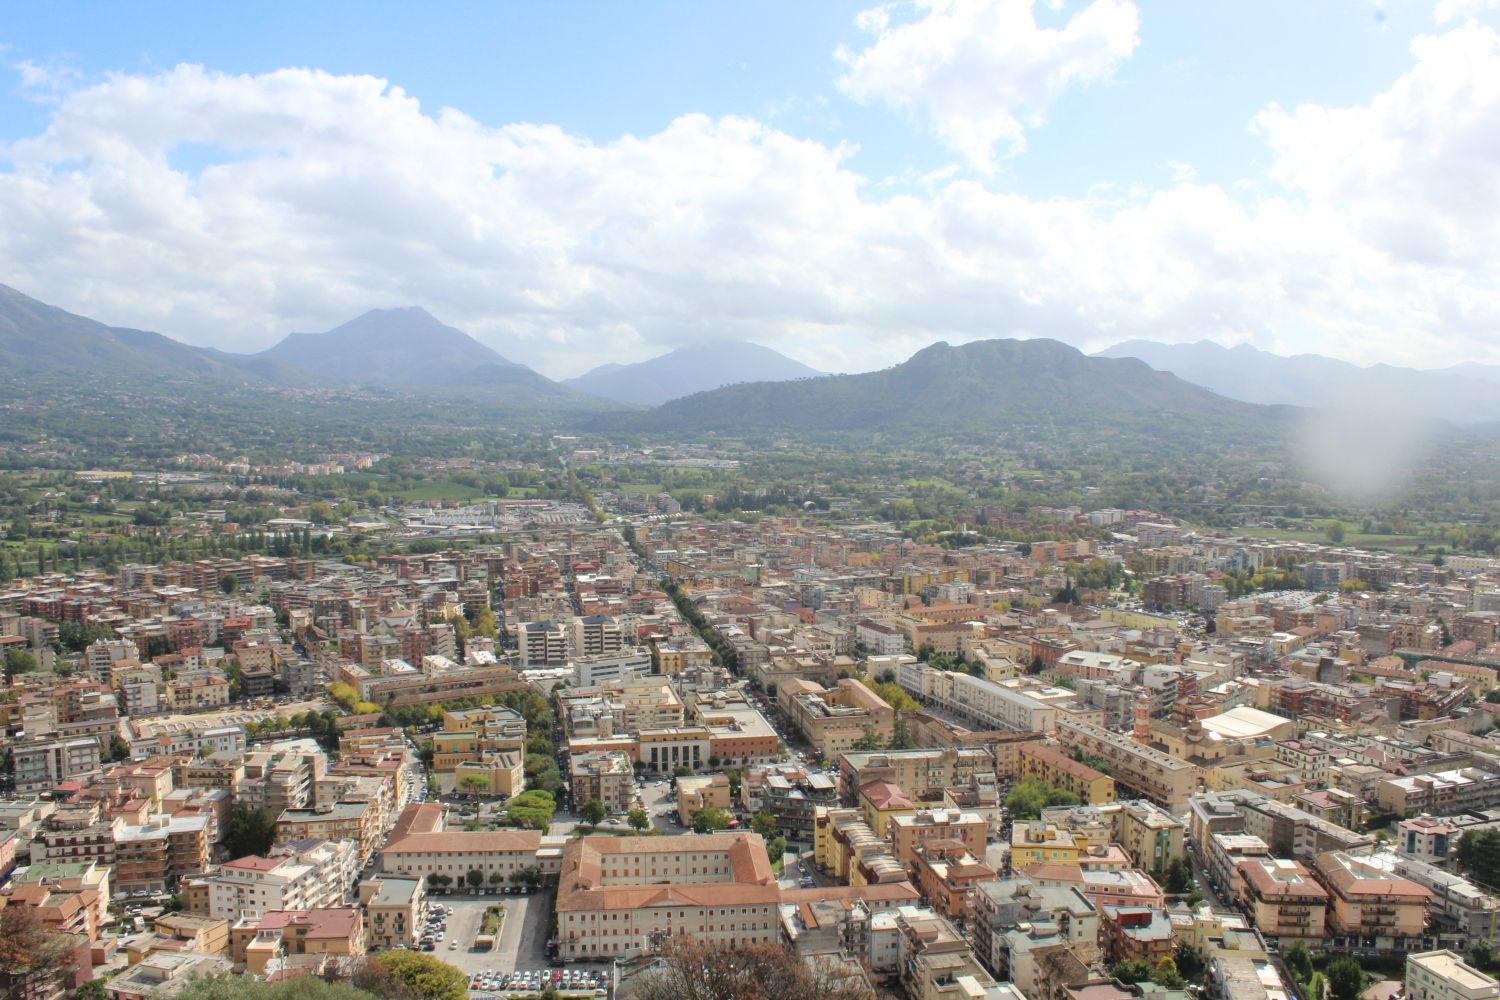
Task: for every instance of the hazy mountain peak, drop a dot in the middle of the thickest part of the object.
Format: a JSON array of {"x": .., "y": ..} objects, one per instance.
[
  {"x": 1247, "y": 373},
  {"x": 690, "y": 368}
]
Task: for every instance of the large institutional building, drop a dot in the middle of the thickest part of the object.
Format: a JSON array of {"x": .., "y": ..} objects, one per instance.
[{"x": 620, "y": 895}]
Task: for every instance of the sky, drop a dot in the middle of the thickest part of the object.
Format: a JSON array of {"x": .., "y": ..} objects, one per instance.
[{"x": 846, "y": 182}]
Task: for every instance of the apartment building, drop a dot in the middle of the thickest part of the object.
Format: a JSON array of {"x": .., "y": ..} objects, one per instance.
[
  {"x": 355, "y": 821},
  {"x": 924, "y": 775},
  {"x": 40, "y": 767},
  {"x": 1458, "y": 907},
  {"x": 542, "y": 644},
  {"x": 595, "y": 635},
  {"x": 1368, "y": 906},
  {"x": 312, "y": 877},
  {"x": 1140, "y": 769},
  {"x": 909, "y": 833},
  {"x": 1150, "y": 836},
  {"x": 1017, "y": 704},
  {"x": 1444, "y": 793},
  {"x": 835, "y": 720},
  {"x": 1284, "y": 900},
  {"x": 1444, "y": 975},
  {"x": 1054, "y": 767},
  {"x": 624, "y": 896},
  {"x": 606, "y": 775},
  {"x": 333, "y": 933},
  {"x": 945, "y": 873},
  {"x": 790, "y": 794},
  {"x": 709, "y": 791},
  {"x": 473, "y": 734},
  {"x": 1028, "y": 934},
  {"x": 393, "y": 907}
]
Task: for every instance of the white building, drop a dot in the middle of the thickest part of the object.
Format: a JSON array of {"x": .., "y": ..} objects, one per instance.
[{"x": 1443, "y": 975}]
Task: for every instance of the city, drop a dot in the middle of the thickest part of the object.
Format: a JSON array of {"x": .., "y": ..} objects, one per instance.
[{"x": 855, "y": 500}]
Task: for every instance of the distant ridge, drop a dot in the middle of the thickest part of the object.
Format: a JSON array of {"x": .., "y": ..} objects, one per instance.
[
  {"x": 408, "y": 347},
  {"x": 1465, "y": 394},
  {"x": 689, "y": 369},
  {"x": 39, "y": 339},
  {"x": 985, "y": 384}
]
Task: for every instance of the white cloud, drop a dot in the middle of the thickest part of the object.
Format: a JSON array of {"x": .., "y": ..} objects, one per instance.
[
  {"x": 979, "y": 73},
  {"x": 230, "y": 209},
  {"x": 1447, "y": 11}
]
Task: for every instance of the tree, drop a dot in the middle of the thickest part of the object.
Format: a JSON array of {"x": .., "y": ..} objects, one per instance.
[
  {"x": 1481, "y": 955},
  {"x": 592, "y": 812},
  {"x": 691, "y": 969},
  {"x": 1136, "y": 970},
  {"x": 18, "y": 661},
  {"x": 1346, "y": 979},
  {"x": 710, "y": 819},
  {"x": 1479, "y": 856},
  {"x": 474, "y": 784},
  {"x": 638, "y": 819},
  {"x": 1334, "y": 530},
  {"x": 231, "y": 987},
  {"x": 475, "y": 878},
  {"x": 496, "y": 878},
  {"x": 763, "y": 823},
  {"x": 1165, "y": 973},
  {"x": 1179, "y": 876},
  {"x": 412, "y": 974},
  {"x": 251, "y": 830},
  {"x": 1299, "y": 961},
  {"x": 229, "y": 583},
  {"x": 92, "y": 990},
  {"x": 1030, "y": 796},
  {"x": 29, "y": 951}
]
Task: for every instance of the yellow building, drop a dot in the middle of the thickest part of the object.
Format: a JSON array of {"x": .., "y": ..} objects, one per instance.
[
  {"x": 706, "y": 792},
  {"x": 1040, "y": 842},
  {"x": 501, "y": 774},
  {"x": 1054, "y": 767},
  {"x": 472, "y": 734}
]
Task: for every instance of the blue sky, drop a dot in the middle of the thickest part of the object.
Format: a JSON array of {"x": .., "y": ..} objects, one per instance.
[{"x": 1155, "y": 121}]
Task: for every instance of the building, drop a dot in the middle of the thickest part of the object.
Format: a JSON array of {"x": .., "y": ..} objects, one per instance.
[
  {"x": 333, "y": 821},
  {"x": 1054, "y": 767},
  {"x": 41, "y": 766},
  {"x": 1284, "y": 900},
  {"x": 1368, "y": 906},
  {"x": 1443, "y": 975},
  {"x": 790, "y": 794},
  {"x": 908, "y": 833},
  {"x": 393, "y": 906},
  {"x": 420, "y": 846},
  {"x": 606, "y": 775},
  {"x": 710, "y": 791},
  {"x": 1140, "y": 769},
  {"x": 946, "y": 873},
  {"x": 163, "y": 974},
  {"x": 311, "y": 876},
  {"x": 278, "y": 934},
  {"x": 1427, "y": 838},
  {"x": 1443, "y": 793},
  {"x": 626, "y": 896},
  {"x": 1459, "y": 909},
  {"x": 835, "y": 720},
  {"x": 473, "y": 734}
]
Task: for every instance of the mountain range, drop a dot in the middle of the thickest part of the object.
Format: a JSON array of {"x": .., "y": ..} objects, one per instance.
[
  {"x": 689, "y": 369},
  {"x": 1465, "y": 394},
  {"x": 387, "y": 348},
  {"x": 982, "y": 385},
  {"x": 991, "y": 387}
]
